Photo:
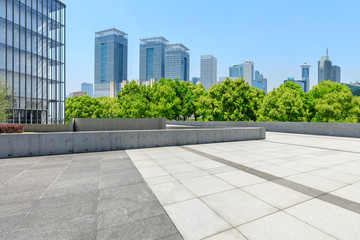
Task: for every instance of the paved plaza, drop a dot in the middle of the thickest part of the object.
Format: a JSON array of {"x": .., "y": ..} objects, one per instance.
[{"x": 289, "y": 186}]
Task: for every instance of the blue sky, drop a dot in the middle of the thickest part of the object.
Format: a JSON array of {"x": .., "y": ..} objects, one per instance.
[{"x": 278, "y": 36}]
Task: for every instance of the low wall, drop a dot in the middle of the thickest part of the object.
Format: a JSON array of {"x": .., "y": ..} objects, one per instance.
[
  {"x": 114, "y": 124},
  {"x": 46, "y": 128},
  {"x": 24, "y": 145},
  {"x": 327, "y": 129}
]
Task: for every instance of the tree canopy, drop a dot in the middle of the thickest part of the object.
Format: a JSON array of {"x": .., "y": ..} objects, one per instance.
[
  {"x": 231, "y": 100},
  {"x": 5, "y": 102}
]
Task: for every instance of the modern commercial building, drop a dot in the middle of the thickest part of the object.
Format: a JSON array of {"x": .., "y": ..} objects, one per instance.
[
  {"x": 111, "y": 51},
  {"x": 260, "y": 82},
  {"x": 152, "y": 58},
  {"x": 326, "y": 71},
  {"x": 236, "y": 71},
  {"x": 113, "y": 88},
  {"x": 177, "y": 62},
  {"x": 305, "y": 75},
  {"x": 208, "y": 70},
  {"x": 336, "y": 73},
  {"x": 249, "y": 72},
  {"x": 78, "y": 93},
  {"x": 87, "y": 88},
  {"x": 32, "y": 59},
  {"x": 301, "y": 83}
]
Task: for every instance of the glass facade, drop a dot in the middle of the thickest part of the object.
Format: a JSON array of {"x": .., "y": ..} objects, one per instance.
[
  {"x": 87, "y": 88},
  {"x": 152, "y": 58},
  {"x": 111, "y": 50},
  {"x": 177, "y": 60},
  {"x": 32, "y": 59},
  {"x": 260, "y": 81},
  {"x": 236, "y": 71}
]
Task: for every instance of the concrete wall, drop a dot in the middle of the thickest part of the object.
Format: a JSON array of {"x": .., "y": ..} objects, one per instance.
[
  {"x": 328, "y": 129},
  {"x": 24, "y": 145},
  {"x": 46, "y": 128},
  {"x": 114, "y": 124}
]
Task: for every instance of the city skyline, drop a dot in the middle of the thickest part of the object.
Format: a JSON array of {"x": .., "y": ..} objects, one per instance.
[{"x": 278, "y": 54}]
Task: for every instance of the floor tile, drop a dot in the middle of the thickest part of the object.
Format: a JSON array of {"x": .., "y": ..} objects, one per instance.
[
  {"x": 201, "y": 186},
  {"x": 281, "y": 226},
  {"x": 237, "y": 207},
  {"x": 171, "y": 192},
  {"x": 239, "y": 178},
  {"x": 195, "y": 220},
  {"x": 232, "y": 234}
]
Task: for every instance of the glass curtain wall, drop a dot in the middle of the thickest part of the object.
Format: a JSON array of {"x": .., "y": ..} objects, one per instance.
[{"x": 32, "y": 59}]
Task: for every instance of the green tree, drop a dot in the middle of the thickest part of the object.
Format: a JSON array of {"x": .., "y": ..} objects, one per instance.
[
  {"x": 5, "y": 102},
  {"x": 133, "y": 101},
  {"x": 332, "y": 102},
  {"x": 110, "y": 107},
  {"x": 83, "y": 107},
  {"x": 284, "y": 104},
  {"x": 237, "y": 101}
]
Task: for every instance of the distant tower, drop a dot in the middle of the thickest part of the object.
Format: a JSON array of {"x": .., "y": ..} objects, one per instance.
[
  {"x": 177, "y": 62},
  {"x": 208, "y": 70},
  {"x": 305, "y": 75},
  {"x": 249, "y": 73}
]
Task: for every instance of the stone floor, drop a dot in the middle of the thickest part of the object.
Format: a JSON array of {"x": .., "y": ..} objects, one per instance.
[{"x": 288, "y": 186}]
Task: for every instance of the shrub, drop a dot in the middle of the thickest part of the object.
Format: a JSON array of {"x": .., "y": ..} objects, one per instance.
[{"x": 11, "y": 128}]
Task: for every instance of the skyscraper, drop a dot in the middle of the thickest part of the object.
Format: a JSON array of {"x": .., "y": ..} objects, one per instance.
[
  {"x": 152, "y": 58},
  {"x": 260, "y": 82},
  {"x": 249, "y": 72},
  {"x": 301, "y": 83},
  {"x": 208, "y": 70},
  {"x": 32, "y": 59},
  {"x": 111, "y": 50},
  {"x": 236, "y": 71},
  {"x": 336, "y": 72},
  {"x": 305, "y": 75},
  {"x": 177, "y": 61},
  {"x": 326, "y": 71},
  {"x": 87, "y": 88}
]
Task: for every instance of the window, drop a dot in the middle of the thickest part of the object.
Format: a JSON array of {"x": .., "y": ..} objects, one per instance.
[{"x": 149, "y": 63}]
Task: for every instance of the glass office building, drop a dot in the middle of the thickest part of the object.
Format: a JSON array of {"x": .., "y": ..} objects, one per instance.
[
  {"x": 236, "y": 71},
  {"x": 301, "y": 83},
  {"x": 177, "y": 61},
  {"x": 111, "y": 51},
  {"x": 32, "y": 59},
  {"x": 249, "y": 73},
  {"x": 152, "y": 58},
  {"x": 327, "y": 71},
  {"x": 260, "y": 81},
  {"x": 87, "y": 88},
  {"x": 305, "y": 75},
  {"x": 208, "y": 71}
]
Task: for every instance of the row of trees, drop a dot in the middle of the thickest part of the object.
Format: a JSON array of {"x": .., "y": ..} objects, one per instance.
[{"x": 227, "y": 101}]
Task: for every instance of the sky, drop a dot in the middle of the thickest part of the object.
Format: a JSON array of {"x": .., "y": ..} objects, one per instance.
[{"x": 278, "y": 35}]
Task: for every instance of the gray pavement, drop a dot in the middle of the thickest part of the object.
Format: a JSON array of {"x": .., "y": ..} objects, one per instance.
[
  {"x": 289, "y": 186},
  {"x": 79, "y": 196}
]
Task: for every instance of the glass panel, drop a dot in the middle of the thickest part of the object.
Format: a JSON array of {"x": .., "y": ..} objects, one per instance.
[
  {"x": 16, "y": 12},
  {"x": 10, "y": 10},
  {"x": 2, "y": 30},
  {"x": 2, "y": 57},
  {"x": 9, "y": 34},
  {"x": 3, "y": 8},
  {"x": 22, "y": 14},
  {"x": 9, "y": 59},
  {"x": 22, "y": 39},
  {"x": 16, "y": 36}
]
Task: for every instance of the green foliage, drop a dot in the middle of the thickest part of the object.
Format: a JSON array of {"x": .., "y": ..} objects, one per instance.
[
  {"x": 227, "y": 101},
  {"x": 5, "y": 102},
  {"x": 284, "y": 104},
  {"x": 333, "y": 102}
]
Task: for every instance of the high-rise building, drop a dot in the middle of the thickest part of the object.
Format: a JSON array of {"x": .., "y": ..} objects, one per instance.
[
  {"x": 111, "y": 51},
  {"x": 113, "y": 89},
  {"x": 305, "y": 75},
  {"x": 236, "y": 71},
  {"x": 336, "y": 73},
  {"x": 326, "y": 71},
  {"x": 260, "y": 82},
  {"x": 87, "y": 88},
  {"x": 177, "y": 62},
  {"x": 32, "y": 59},
  {"x": 78, "y": 93},
  {"x": 208, "y": 70},
  {"x": 249, "y": 72},
  {"x": 152, "y": 58}
]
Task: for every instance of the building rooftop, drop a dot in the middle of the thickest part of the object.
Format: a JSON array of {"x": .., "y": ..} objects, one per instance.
[
  {"x": 177, "y": 46},
  {"x": 289, "y": 186},
  {"x": 154, "y": 39},
  {"x": 112, "y": 31}
]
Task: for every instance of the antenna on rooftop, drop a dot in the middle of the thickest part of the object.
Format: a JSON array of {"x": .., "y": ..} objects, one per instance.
[{"x": 327, "y": 52}]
